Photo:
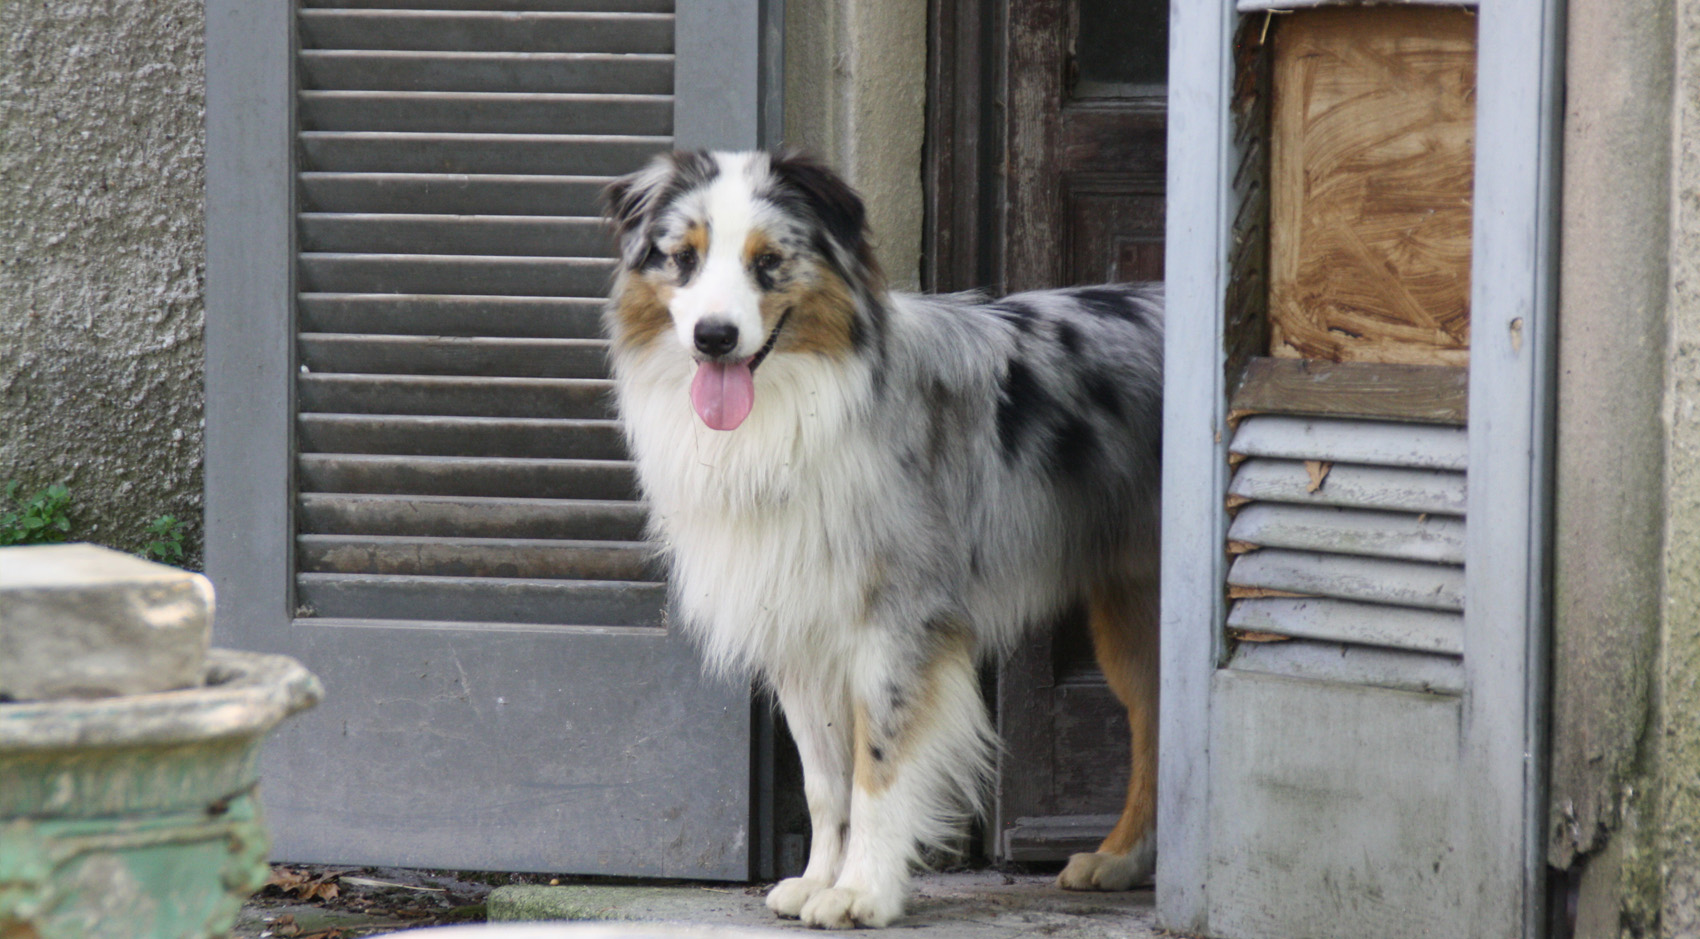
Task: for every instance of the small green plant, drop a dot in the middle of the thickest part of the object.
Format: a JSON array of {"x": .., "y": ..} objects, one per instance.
[
  {"x": 40, "y": 519},
  {"x": 166, "y": 540}
]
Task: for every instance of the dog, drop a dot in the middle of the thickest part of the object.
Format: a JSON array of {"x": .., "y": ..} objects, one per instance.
[{"x": 861, "y": 495}]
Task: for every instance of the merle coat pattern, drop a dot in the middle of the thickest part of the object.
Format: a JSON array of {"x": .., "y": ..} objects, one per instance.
[{"x": 862, "y": 494}]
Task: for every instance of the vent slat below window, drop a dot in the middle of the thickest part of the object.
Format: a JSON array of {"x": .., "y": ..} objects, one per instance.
[
  {"x": 497, "y": 235},
  {"x": 472, "y": 599},
  {"x": 536, "y": 153},
  {"x": 443, "y": 273},
  {"x": 1374, "y": 580},
  {"x": 1436, "y": 538},
  {"x": 1350, "y": 485},
  {"x": 442, "y": 355},
  {"x": 417, "y": 435},
  {"x": 1345, "y": 621},
  {"x": 450, "y": 194},
  {"x": 481, "y": 31},
  {"x": 456, "y": 397},
  {"x": 453, "y": 316},
  {"x": 513, "y": 72},
  {"x": 533, "y": 558},
  {"x": 1379, "y": 443},
  {"x": 486, "y": 113},
  {"x": 490, "y": 477},
  {"x": 470, "y": 517}
]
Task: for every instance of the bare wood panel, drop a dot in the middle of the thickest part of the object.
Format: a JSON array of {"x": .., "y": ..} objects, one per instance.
[
  {"x": 469, "y": 517},
  {"x": 1426, "y": 393},
  {"x": 1372, "y": 624},
  {"x": 1050, "y": 837},
  {"x": 1372, "y": 168},
  {"x": 534, "y": 558},
  {"x": 1350, "y": 485}
]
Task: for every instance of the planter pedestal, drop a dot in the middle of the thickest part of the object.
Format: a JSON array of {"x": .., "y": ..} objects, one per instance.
[{"x": 135, "y": 817}]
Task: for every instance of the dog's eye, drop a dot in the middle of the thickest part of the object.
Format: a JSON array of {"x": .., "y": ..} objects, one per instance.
[
  {"x": 767, "y": 262},
  {"x": 686, "y": 258}
]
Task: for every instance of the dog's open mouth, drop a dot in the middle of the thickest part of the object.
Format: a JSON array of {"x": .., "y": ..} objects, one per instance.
[{"x": 724, "y": 392}]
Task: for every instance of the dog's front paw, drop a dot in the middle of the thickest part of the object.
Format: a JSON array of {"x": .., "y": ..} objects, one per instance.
[
  {"x": 1101, "y": 870},
  {"x": 788, "y": 896},
  {"x": 849, "y": 907}
]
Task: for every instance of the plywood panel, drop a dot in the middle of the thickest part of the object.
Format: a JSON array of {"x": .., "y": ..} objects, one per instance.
[{"x": 1372, "y": 162}]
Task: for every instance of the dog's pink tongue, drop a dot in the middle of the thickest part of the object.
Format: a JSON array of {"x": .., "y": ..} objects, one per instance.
[{"x": 723, "y": 393}]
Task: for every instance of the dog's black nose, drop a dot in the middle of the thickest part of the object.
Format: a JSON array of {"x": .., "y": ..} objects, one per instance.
[{"x": 716, "y": 337}]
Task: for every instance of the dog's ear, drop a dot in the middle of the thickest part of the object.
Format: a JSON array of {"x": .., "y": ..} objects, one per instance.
[
  {"x": 631, "y": 202},
  {"x": 830, "y": 199}
]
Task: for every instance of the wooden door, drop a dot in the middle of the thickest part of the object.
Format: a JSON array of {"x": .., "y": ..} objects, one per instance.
[
  {"x": 1358, "y": 361},
  {"x": 1062, "y": 186},
  {"x": 413, "y": 483}
]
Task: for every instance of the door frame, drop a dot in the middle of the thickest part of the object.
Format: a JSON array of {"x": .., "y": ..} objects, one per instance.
[
  {"x": 728, "y": 54},
  {"x": 1513, "y": 293}
]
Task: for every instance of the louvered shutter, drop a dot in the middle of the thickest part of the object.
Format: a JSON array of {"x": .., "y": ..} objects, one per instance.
[
  {"x": 457, "y": 459},
  {"x": 1347, "y": 534}
]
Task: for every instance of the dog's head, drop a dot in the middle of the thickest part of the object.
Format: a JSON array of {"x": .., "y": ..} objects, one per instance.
[{"x": 728, "y": 258}]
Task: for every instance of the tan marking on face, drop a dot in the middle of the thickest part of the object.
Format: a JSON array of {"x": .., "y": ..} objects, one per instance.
[
  {"x": 756, "y": 244},
  {"x": 696, "y": 238},
  {"x": 641, "y": 312},
  {"x": 822, "y": 314},
  {"x": 955, "y": 648}
]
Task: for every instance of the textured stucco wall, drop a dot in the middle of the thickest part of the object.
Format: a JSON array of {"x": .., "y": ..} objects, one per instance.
[
  {"x": 101, "y": 257},
  {"x": 1674, "y": 790},
  {"x": 855, "y": 95}
]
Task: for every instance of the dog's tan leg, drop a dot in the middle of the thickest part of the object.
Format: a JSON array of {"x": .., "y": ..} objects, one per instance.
[
  {"x": 922, "y": 748},
  {"x": 1123, "y": 618}
]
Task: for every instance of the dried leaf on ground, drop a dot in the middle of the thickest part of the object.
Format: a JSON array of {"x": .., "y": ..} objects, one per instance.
[{"x": 320, "y": 886}]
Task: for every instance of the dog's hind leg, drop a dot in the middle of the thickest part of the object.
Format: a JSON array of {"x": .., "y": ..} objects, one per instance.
[
  {"x": 820, "y": 719},
  {"x": 1123, "y": 618},
  {"x": 922, "y": 752}
]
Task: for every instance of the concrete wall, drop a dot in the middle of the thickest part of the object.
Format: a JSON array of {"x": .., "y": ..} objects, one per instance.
[
  {"x": 1625, "y": 808},
  {"x": 101, "y": 258},
  {"x": 855, "y": 95}
]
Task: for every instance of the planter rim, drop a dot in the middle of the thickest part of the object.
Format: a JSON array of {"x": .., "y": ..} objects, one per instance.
[{"x": 246, "y": 694}]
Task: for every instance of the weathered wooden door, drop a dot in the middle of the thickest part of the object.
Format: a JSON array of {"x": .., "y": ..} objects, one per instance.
[
  {"x": 414, "y": 484},
  {"x": 1356, "y": 441},
  {"x": 1081, "y": 202}
]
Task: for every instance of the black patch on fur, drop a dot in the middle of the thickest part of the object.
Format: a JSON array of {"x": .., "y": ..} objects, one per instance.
[
  {"x": 1068, "y": 337},
  {"x": 652, "y": 258},
  {"x": 809, "y": 185},
  {"x": 631, "y": 208},
  {"x": 1076, "y": 444},
  {"x": 1102, "y": 391},
  {"x": 974, "y": 562},
  {"x": 876, "y": 753},
  {"x": 1023, "y": 405},
  {"x": 1019, "y": 315},
  {"x": 1105, "y": 301}
]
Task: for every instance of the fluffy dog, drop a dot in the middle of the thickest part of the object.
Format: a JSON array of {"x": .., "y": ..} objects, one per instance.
[{"x": 862, "y": 494}]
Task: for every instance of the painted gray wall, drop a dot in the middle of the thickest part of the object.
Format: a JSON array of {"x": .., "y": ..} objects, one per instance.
[{"x": 102, "y": 258}]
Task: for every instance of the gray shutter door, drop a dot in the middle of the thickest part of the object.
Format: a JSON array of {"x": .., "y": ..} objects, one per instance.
[
  {"x": 1353, "y": 605},
  {"x": 462, "y": 557}
]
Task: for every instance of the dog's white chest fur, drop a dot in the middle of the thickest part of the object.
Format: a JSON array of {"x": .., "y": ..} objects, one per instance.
[{"x": 767, "y": 526}]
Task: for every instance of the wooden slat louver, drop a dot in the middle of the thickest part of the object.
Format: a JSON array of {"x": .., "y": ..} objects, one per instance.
[
  {"x": 457, "y": 457},
  {"x": 1349, "y": 531}
]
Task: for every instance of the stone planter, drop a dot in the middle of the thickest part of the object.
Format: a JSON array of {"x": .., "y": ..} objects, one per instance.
[{"x": 135, "y": 816}]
